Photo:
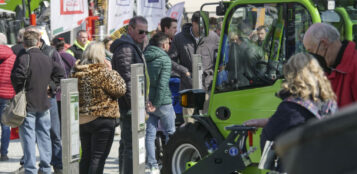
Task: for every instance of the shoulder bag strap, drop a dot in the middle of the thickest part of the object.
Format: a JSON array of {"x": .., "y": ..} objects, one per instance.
[{"x": 27, "y": 72}]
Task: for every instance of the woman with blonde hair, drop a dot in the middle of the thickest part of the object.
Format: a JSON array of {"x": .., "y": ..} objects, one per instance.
[
  {"x": 99, "y": 88},
  {"x": 306, "y": 93}
]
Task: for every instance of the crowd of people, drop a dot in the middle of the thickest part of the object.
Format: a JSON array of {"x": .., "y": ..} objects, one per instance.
[{"x": 315, "y": 83}]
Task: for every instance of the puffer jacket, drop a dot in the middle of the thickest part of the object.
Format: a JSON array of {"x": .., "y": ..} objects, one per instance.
[
  {"x": 183, "y": 46},
  {"x": 126, "y": 52},
  {"x": 99, "y": 88},
  {"x": 7, "y": 59},
  {"x": 159, "y": 68}
]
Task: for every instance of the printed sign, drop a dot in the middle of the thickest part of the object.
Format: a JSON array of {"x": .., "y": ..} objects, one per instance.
[
  {"x": 67, "y": 15},
  {"x": 141, "y": 93},
  {"x": 142, "y": 152},
  {"x": 176, "y": 12},
  {"x": 72, "y": 7},
  {"x": 119, "y": 14},
  {"x": 74, "y": 114},
  {"x": 153, "y": 11}
]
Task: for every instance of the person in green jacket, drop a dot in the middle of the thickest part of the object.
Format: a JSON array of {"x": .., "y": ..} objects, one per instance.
[{"x": 159, "y": 68}]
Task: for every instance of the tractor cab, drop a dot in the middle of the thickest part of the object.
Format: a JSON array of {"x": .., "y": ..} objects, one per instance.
[
  {"x": 257, "y": 38},
  {"x": 348, "y": 20}
]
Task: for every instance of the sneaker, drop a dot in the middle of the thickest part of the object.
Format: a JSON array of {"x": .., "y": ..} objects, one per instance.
[
  {"x": 152, "y": 170},
  {"x": 155, "y": 170},
  {"x": 21, "y": 170},
  {"x": 4, "y": 158}
]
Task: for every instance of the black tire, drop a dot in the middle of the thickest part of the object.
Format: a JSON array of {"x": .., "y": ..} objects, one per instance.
[{"x": 189, "y": 141}]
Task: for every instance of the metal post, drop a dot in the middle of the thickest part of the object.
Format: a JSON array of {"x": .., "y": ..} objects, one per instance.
[
  {"x": 24, "y": 9},
  {"x": 197, "y": 71},
  {"x": 70, "y": 125},
  {"x": 138, "y": 117},
  {"x": 72, "y": 35}
]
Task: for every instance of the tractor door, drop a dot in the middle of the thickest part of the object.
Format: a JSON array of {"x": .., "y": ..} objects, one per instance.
[
  {"x": 257, "y": 40},
  {"x": 347, "y": 26}
]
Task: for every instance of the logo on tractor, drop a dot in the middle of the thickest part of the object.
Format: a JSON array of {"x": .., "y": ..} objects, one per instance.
[{"x": 233, "y": 151}]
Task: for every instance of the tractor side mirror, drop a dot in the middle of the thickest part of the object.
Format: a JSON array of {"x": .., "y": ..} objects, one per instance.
[
  {"x": 204, "y": 23},
  {"x": 221, "y": 9}
]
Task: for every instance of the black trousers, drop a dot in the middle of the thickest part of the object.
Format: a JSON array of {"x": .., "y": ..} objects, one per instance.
[{"x": 96, "y": 140}]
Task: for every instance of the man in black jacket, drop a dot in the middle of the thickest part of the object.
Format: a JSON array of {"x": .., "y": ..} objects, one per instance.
[
  {"x": 186, "y": 43},
  {"x": 126, "y": 51},
  {"x": 33, "y": 71},
  {"x": 52, "y": 53}
]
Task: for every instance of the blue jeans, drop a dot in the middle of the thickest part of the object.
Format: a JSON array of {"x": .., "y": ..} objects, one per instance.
[
  {"x": 36, "y": 127},
  {"x": 56, "y": 160},
  {"x": 125, "y": 148},
  {"x": 166, "y": 115},
  {"x": 5, "y": 130}
]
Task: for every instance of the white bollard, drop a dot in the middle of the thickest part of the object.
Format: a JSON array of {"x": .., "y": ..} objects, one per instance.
[
  {"x": 138, "y": 117},
  {"x": 70, "y": 125}
]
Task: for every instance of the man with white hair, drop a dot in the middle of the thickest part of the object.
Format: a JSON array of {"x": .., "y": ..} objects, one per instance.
[
  {"x": 33, "y": 71},
  {"x": 52, "y": 53},
  {"x": 7, "y": 59},
  {"x": 338, "y": 59},
  {"x": 19, "y": 41}
]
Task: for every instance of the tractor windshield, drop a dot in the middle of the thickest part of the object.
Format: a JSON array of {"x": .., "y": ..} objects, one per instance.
[{"x": 257, "y": 41}]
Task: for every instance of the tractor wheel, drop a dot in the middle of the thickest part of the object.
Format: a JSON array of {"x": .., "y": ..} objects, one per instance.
[{"x": 186, "y": 145}]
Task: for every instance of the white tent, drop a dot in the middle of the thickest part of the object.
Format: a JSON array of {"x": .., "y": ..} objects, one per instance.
[{"x": 6, "y": 11}]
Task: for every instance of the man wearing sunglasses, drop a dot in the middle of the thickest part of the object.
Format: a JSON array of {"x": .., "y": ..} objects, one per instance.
[
  {"x": 338, "y": 59},
  {"x": 126, "y": 51}
]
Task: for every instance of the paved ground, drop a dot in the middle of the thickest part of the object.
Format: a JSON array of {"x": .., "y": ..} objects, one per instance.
[{"x": 15, "y": 153}]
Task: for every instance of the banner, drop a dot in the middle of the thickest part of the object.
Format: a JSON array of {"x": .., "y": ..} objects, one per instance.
[
  {"x": 153, "y": 11},
  {"x": 119, "y": 32},
  {"x": 176, "y": 12},
  {"x": 67, "y": 14},
  {"x": 119, "y": 14}
]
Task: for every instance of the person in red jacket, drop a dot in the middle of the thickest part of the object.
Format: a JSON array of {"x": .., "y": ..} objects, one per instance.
[
  {"x": 7, "y": 59},
  {"x": 338, "y": 59}
]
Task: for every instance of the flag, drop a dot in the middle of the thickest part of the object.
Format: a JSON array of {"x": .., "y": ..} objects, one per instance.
[
  {"x": 153, "y": 11},
  {"x": 176, "y": 12},
  {"x": 119, "y": 14}
]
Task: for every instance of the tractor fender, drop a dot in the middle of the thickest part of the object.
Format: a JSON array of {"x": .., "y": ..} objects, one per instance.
[{"x": 207, "y": 123}]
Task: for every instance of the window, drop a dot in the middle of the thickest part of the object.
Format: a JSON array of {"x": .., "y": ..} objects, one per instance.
[{"x": 257, "y": 42}]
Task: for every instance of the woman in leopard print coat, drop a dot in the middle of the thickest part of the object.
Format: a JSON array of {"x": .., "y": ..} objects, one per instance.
[{"x": 99, "y": 88}]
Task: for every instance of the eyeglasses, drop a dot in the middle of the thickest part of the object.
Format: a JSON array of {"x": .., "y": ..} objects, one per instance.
[{"x": 143, "y": 31}]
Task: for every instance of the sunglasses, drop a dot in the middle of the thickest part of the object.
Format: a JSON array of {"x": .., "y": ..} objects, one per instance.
[{"x": 143, "y": 31}]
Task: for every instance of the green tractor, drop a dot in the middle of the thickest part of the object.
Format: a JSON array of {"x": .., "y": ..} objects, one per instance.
[
  {"x": 14, "y": 16},
  {"x": 246, "y": 78}
]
